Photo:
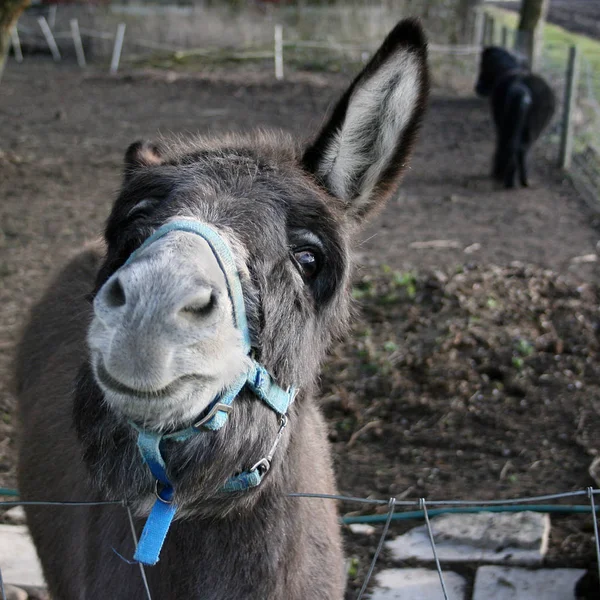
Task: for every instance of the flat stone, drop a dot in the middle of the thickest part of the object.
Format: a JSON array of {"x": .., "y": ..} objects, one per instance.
[
  {"x": 417, "y": 584},
  {"x": 362, "y": 528},
  {"x": 36, "y": 593},
  {"x": 15, "y": 516},
  {"x": 15, "y": 593},
  {"x": 506, "y": 538},
  {"x": 507, "y": 583},
  {"x": 18, "y": 558},
  {"x": 491, "y": 531}
]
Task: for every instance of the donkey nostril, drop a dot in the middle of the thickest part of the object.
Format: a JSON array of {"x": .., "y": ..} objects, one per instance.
[
  {"x": 201, "y": 305},
  {"x": 115, "y": 294}
]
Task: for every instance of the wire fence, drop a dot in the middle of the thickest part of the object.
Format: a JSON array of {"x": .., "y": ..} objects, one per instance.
[
  {"x": 424, "y": 510},
  {"x": 297, "y": 51},
  {"x": 453, "y": 66},
  {"x": 584, "y": 168}
]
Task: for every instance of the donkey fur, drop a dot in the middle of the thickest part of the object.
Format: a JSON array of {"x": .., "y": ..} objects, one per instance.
[{"x": 267, "y": 196}]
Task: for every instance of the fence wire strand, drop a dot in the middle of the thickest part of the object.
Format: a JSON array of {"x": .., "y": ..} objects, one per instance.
[
  {"x": 596, "y": 536},
  {"x": 135, "y": 545},
  {"x": 423, "y": 504},
  {"x": 392, "y": 504}
]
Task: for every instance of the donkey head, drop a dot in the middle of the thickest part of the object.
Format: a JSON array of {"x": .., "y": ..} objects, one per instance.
[{"x": 164, "y": 342}]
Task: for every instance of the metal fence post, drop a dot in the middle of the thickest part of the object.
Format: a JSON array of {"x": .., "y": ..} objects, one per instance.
[{"x": 566, "y": 139}]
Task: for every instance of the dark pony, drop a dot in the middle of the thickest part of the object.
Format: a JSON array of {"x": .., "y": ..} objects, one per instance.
[{"x": 522, "y": 107}]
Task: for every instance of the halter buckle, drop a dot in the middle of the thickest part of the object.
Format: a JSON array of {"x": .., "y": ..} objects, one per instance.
[{"x": 211, "y": 413}]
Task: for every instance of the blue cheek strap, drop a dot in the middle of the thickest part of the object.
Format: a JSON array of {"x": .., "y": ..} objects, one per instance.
[{"x": 257, "y": 379}]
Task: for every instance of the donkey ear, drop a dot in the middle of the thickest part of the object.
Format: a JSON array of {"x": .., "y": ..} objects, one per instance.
[
  {"x": 142, "y": 154},
  {"x": 363, "y": 150}
]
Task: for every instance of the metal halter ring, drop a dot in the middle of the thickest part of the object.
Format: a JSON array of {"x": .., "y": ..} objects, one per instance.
[
  {"x": 264, "y": 464},
  {"x": 157, "y": 494}
]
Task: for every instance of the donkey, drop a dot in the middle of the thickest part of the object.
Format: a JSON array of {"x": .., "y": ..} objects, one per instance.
[
  {"x": 173, "y": 365},
  {"x": 522, "y": 107}
]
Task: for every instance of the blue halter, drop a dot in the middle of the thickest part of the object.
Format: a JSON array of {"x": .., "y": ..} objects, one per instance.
[{"x": 257, "y": 379}]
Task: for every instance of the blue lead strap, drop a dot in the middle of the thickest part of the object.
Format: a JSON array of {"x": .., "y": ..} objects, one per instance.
[
  {"x": 155, "y": 532},
  {"x": 164, "y": 509}
]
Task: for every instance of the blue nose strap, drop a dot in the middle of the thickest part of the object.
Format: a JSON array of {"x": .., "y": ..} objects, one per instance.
[
  {"x": 225, "y": 259},
  {"x": 256, "y": 378}
]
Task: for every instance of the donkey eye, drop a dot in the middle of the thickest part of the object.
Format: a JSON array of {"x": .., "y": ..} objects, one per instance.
[
  {"x": 140, "y": 209},
  {"x": 307, "y": 262}
]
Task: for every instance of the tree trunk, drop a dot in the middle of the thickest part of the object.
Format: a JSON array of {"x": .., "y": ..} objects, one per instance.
[
  {"x": 531, "y": 22},
  {"x": 10, "y": 11}
]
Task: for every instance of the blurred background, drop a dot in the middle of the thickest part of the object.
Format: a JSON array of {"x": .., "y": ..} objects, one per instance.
[{"x": 472, "y": 372}]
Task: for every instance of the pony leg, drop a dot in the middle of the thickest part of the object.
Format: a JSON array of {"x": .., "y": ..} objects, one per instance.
[
  {"x": 498, "y": 164},
  {"x": 523, "y": 166},
  {"x": 509, "y": 160},
  {"x": 510, "y": 174}
]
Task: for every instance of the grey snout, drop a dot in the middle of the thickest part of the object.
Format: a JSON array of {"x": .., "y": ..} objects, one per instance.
[
  {"x": 169, "y": 305},
  {"x": 121, "y": 293}
]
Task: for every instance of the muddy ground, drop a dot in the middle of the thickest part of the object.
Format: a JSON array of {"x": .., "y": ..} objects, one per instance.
[{"x": 467, "y": 376}]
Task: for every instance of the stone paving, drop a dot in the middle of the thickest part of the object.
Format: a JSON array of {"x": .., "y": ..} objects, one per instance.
[
  {"x": 417, "y": 584},
  {"x": 512, "y": 540},
  {"x": 507, "y": 583},
  {"x": 18, "y": 559},
  {"x": 507, "y": 540}
]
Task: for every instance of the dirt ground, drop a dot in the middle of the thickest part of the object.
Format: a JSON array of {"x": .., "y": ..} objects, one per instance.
[{"x": 468, "y": 376}]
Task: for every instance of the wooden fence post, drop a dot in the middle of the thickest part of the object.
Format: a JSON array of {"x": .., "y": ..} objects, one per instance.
[
  {"x": 77, "y": 42},
  {"x": 52, "y": 16},
  {"x": 479, "y": 28},
  {"x": 566, "y": 139},
  {"x": 491, "y": 32},
  {"x": 116, "y": 55},
  {"x": 278, "y": 52},
  {"x": 16, "y": 44},
  {"x": 485, "y": 29},
  {"x": 49, "y": 38},
  {"x": 505, "y": 36}
]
